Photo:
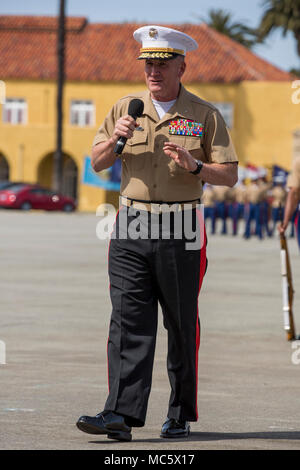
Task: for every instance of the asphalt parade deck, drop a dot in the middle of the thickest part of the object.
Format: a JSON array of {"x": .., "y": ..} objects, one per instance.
[{"x": 55, "y": 311}]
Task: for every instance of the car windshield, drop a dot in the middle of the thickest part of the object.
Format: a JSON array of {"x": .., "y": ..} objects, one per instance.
[{"x": 15, "y": 188}]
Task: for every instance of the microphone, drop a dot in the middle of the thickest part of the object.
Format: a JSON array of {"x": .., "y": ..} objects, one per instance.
[{"x": 135, "y": 109}]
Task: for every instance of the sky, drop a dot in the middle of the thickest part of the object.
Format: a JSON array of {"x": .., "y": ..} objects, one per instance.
[{"x": 279, "y": 50}]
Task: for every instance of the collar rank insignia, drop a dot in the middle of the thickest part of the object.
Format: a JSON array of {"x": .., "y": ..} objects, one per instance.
[{"x": 186, "y": 127}]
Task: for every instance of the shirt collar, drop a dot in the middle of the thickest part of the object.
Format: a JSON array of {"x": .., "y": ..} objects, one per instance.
[
  {"x": 181, "y": 108},
  {"x": 149, "y": 108}
]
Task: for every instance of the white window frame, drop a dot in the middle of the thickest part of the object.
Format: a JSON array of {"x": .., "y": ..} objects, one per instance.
[
  {"x": 14, "y": 106},
  {"x": 83, "y": 108},
  {"x": 227, "y": 111}
]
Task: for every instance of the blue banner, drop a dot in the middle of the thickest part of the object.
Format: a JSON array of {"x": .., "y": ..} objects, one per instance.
[{"x": 109, "y": 179}]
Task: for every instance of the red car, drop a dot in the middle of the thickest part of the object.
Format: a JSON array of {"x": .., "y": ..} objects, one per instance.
[{"x": 28, "y": 196}]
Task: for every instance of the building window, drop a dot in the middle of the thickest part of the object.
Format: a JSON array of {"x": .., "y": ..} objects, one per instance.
[
  {"x": 15, "y": 111},
  {"x": 82, "y": 113},
  {"x": 226, "y": 109}
]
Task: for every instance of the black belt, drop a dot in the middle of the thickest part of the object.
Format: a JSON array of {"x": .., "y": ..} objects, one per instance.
[
  {"x": 162, "y": 202},
  {"x": 159, "y": 207}
]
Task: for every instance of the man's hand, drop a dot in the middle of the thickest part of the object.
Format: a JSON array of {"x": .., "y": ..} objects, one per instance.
[
  {"x": 281, "y": 228},
  {"x": 124, "y": 127},
  {"x": 180, "y": 155},
  {"x": 103, "y": 155},
  {"x": 214, "y": 173}
]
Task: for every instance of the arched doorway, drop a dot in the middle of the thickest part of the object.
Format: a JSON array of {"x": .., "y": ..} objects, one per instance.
[
  {"x": 4, "y": 168},
  {"x": 69, "y": 177}
]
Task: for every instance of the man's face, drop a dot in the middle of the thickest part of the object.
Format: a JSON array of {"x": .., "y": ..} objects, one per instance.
[{"x": 163, "y": 77}]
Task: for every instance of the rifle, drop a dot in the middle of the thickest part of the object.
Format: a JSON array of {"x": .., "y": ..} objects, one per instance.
[{"x": 287, "y": 290}]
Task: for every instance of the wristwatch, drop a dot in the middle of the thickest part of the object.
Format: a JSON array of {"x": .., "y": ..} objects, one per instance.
[{"x": 198, "y": 169}]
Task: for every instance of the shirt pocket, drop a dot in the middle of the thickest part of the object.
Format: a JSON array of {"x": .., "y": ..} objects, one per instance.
[
  {"x": 135, "y": 150},
  {"x": 174, "y": 168},
  {"x": 193, "y": 145}
]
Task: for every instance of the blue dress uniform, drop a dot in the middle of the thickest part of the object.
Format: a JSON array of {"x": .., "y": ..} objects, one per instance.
[
  {"x": 264, "y": 207},
  {"x": 251, "y": 212},
  {"x": 222, "y": 199},
  {"x": 145, "y": 270},
  {"x": 238, "y": 206},
  {"x": 208, "y": 199},
  {"x": 255, "y": 210},
  {"x": 278, "y": 194}
]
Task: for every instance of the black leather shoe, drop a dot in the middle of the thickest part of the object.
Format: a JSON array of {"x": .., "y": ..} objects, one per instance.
[
  {"x": 108, "y": 423},
  {"x": 173, "y": 428}
]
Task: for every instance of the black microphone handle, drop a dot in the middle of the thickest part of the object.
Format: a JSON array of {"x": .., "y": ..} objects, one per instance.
[
  {"x": 120, "y": 145},
  {"x": 135, "y": 109}
]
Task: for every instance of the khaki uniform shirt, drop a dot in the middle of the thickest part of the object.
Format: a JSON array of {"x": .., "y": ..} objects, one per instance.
[
  {"x": 255, "y": 193},
  {"x": 147, "y": 172},
  {"x": 279, "y": 196},
  {"x": 240, "y": 193},
  {"x": 265, "y": 187},
  {"x": 294, "y": 177},
  {"x": 222, "y": 193}
]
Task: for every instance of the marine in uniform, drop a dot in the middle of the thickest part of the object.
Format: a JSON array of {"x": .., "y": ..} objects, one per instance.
[
  {"x": 293, "y": 199},
  {"x": 208, "y": 199},
  {"x": 222, "y": 201},
  {"x": 238, "y": 205},
  {"x": 252, "y": 199},
  {"x": 255, "y": 208},
  {"x": 178, "y": 142},
  {"x": 278, "y": 195},
  {"x": 264, "y": 208}
]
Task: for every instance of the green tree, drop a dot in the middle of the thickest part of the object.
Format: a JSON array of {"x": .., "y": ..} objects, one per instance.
[
  {"x": 282, "y": 14},
  {"x": 295, "y": 72},
  {"x": 221, "y": 21}
]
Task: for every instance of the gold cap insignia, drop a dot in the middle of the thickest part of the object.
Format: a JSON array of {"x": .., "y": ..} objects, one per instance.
[{"x": 153, "y": 33}]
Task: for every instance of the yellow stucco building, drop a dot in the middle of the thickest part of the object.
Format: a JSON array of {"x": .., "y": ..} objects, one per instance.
[{"x": 258, "y": 108}]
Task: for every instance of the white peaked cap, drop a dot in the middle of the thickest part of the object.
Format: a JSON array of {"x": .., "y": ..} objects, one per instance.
[{"x": 159, "y": 42}]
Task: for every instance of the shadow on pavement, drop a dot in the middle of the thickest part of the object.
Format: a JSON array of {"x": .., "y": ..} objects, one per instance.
[{"x": 219, "y": 436}]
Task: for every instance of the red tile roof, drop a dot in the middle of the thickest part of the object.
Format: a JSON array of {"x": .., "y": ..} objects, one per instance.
[
  {"x": 40, "y": 23},
  {"x": 107, "y": 52}
]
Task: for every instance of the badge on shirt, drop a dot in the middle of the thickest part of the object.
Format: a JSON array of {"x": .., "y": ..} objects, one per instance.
[{"x": 186, "y": 127}]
